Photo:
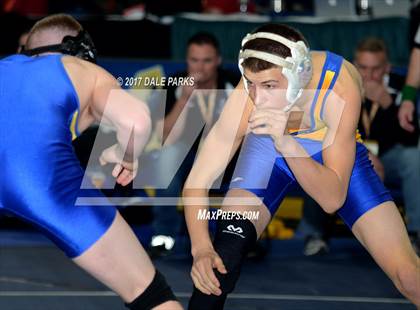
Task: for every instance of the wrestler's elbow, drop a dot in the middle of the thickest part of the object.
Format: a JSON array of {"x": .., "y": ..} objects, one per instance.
[
  {"x": 194, "y": 187},
  {"x": 138, "y": 125},
  {"x": 186, "y": 190},
  {"x": 331, "y": 207},
  {"x": 143, "y": 125},
  {"x": 193, "y": 198},
  {"x": 334, "y": 202}
]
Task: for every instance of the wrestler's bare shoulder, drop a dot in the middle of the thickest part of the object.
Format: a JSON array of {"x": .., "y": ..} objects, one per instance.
[
  {"x": 348, "y": 76},
  {"x": 83, "y": 76},
  {"x": 349, "y": 83}
]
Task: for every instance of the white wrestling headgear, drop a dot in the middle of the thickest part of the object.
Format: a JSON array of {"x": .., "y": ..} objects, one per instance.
[{"x": 297, "y": 69}]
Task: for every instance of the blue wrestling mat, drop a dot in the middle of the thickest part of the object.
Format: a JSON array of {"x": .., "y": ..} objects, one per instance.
[{"x": 35, "y": 275}]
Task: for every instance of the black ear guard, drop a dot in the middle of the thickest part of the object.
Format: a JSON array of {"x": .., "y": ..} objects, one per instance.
[{"x": 79, "y": 46}]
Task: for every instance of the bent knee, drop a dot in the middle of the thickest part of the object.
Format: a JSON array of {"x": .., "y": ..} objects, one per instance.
[
  {"x": 331, "y": 208},
  {"x": 407, "y": 279}
]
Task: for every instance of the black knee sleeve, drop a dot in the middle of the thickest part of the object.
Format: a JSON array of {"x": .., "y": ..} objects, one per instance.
[
  {"x": 155, "y": 294},
  {"x": 233, "y": 239}
]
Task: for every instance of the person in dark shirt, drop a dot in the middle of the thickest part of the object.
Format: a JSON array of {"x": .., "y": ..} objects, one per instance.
[
  {"x": 379, "y": 127},
  {"x": 406, "y": 113},
  {"x": 196, "y": 98},
  {"x": 379, "y": 117}
]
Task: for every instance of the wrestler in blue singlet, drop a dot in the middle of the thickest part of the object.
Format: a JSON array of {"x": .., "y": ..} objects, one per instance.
[
  {"x": 41, "y": 175},
  {"x": 262, "y": 170}
]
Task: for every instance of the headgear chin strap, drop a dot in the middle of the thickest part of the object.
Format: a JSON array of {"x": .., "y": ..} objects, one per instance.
[
  {"x": 297, "y": 69},
  {"x": 79, "y": 46}
]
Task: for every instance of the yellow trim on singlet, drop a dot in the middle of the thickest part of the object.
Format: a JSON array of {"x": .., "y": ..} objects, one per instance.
[
  {"x": 317, "y": 135},
  {"x": 73, "y": 124},
  {"x": 320, "y": 128},
  {"x": 329, "y": 75},
  {"x": 358, "y": 136}
]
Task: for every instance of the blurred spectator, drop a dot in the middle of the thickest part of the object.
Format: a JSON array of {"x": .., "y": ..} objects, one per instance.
[
  {"x": 414, "y": 20},
  {"x": 406, "y": 114},
  {"x": 214, "y": 84},
  {"x": 378, "y": 120},
  {"x": 397, "y": 148}
]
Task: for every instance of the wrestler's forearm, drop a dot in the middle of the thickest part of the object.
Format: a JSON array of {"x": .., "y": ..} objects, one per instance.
[
  {"x": 197, "y": 228},
  {"x": 318, "y": 181},
  {"x": 127, "y": 115},
  {"x": 133, "y": 137},
  {"x": 173, "y": 119}
]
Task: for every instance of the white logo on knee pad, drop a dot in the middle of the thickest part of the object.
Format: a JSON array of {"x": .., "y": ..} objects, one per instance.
[{"x": 234, "y": 230}]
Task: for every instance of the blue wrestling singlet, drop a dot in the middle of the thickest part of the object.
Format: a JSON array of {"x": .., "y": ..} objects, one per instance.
[
  {"x": 263, "y": 171},
  {"x": 41, "y": 175}
]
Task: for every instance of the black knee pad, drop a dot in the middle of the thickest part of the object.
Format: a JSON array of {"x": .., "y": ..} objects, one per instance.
[
  {"x": 201, "y": 301},
  {"x": 155, "y": 294},
  {"x": 233, "y": 239}
]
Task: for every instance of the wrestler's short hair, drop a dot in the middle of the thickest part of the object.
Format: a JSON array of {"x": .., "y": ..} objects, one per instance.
[
  {"x": 58, "y": 22},
  {"x": 270, "y": 46}
]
